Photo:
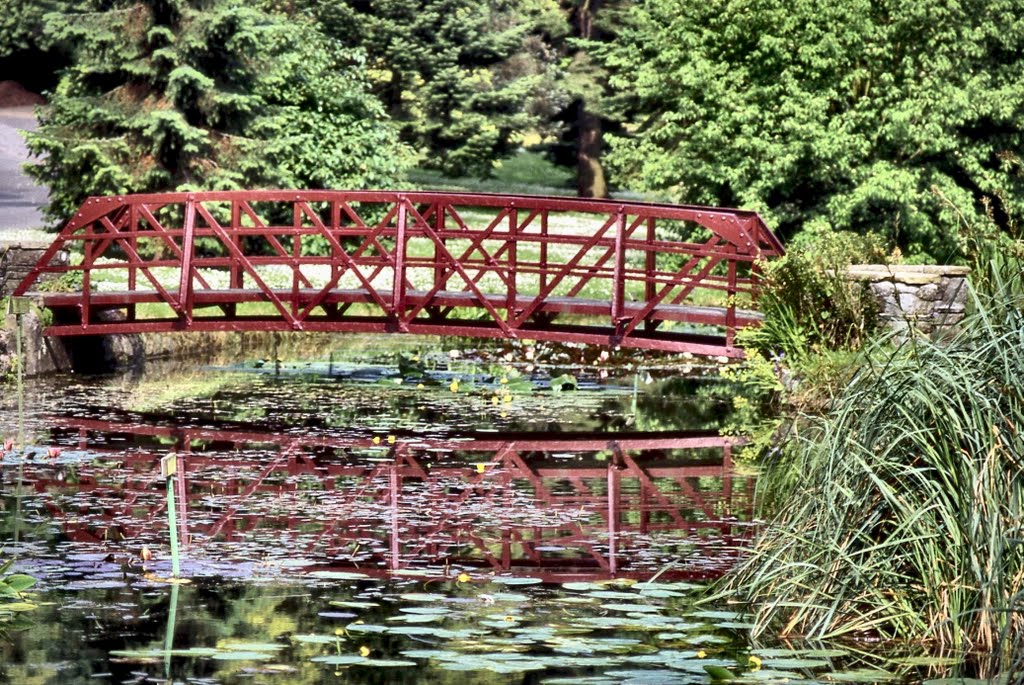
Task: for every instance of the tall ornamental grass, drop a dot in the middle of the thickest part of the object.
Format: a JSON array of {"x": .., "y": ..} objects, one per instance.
[{"x": 905, "y": 518}]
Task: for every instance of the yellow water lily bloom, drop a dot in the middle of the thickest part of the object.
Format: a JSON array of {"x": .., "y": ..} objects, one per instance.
[
  {"x": 454, "y": 387},
  {"x": 701, "y": 654},
  {"x": 464, "y": 577},
  {"x": 376, "y": 440},
  {"x": 754, "y": 662},
  {"x": 364, "y": 651},
  {"x": 391, "y": 440}
]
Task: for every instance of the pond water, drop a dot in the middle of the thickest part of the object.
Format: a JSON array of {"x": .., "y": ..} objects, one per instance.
[{"x": 414, "y": 514}]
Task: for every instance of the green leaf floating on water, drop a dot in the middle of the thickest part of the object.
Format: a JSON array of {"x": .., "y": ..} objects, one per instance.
[
  {"x": 346, "y": 660},
  {"x": 438, "y": 611},
  {"x": 365, "y": 628},
  {"x": 581, "y": 587},
  {"x": 564, "y": 382},
  {"x": 719, "y": 673},
  {"x": 637, "y": 608},
  {"x": 251, "y": 646},
  {"x": 232, "y": 655},
  {"x": 338, "y": 575},
  {"x": 516, "y": 580},
  {"x": 862, "y": 675},
  {"x": 422, "y": 597}
]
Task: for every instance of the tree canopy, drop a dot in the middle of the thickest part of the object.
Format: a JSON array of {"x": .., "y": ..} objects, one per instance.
[
  {"x": 897, "y": 116},
  {"x": 182, "y": 94},
  {"x": 465, "y": 78}
]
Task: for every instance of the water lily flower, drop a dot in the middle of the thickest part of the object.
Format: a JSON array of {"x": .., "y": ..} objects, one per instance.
[
  {"x": 364, "y": 651},
  {"x": 420, "y": 386},
  {"x": 494, "y": 400},
  {"x": 464, "y": 577},
  {"x": 507, "y": 398},
  {"x": 504, "y": 380},
  {"x": 701, "y": 654},
  {"x": 480, "y": 468},
  {"x": 53, "y": 452},
  {"x": 754, "y": 662},
  {"x": 376, "y": 440},
  {"x": 454, "y": 387},
  {"x": 391, "y": 439}
]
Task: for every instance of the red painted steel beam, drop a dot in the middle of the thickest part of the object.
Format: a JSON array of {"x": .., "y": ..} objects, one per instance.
[{"x": 524, "y": 273}]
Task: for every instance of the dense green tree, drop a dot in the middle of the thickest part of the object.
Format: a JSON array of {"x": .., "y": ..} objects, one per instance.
[
  {"x": 21, "y": 23},
  {"x": 182, "y": 94},
  {"x": 897, "y": 116},
  {"x": 466, "y": 78},
  {"x": 591, "y": 111},
  {"x": 27, "y": 54}
]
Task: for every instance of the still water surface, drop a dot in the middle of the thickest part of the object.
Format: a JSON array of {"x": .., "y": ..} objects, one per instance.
[{"x": 410, "y": 515}]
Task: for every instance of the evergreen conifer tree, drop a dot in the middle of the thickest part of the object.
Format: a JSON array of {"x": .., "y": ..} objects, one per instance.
[{"x": 192, "y": 94}]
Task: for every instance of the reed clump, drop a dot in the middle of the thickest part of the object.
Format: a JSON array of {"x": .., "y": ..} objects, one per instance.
[{"x": 900, "y": 513}]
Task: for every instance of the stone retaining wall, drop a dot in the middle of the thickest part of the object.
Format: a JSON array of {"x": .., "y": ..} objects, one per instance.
[
  {"x": 15, "y": 263},
  {"x": 927, "y": 298}
]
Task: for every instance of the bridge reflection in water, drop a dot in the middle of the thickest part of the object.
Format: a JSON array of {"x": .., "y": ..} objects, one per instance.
[{"x": 557, "y": 507}]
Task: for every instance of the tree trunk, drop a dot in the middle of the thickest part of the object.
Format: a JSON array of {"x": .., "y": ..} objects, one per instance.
[{"x": 590, "y": 181}]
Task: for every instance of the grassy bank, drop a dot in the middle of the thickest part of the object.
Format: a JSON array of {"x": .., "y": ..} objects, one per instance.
[{"x": 901, "y": 509}]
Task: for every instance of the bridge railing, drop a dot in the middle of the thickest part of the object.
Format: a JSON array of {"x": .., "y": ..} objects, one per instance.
[{"x": 538, "y": 267}]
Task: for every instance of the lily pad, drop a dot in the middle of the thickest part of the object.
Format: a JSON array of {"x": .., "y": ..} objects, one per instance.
[
  {"x": 334, "y": 575},
  {"x": 862, "y": 675},
  {"x": 581, "y": 587},
  {"x": 231, "y": 655},
  {"x": 345, "y": 660},
  {"x": 516, "y": 580},
  {"x": 633, "y": 608}
]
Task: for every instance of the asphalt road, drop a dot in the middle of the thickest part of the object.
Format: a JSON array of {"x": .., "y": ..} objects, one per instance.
[{"x": 20, "y": 197}]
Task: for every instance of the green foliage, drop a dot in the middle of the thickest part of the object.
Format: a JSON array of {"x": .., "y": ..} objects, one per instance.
[
  {"x": 816, "y": 320},
  {"x": 21, "y": 24},
  {"x": 809, "y": 304},
  {"x": 13, "y": 600},
  {"x": 206, "y": 95},
  {"x": 902, "y": 508},
  {"x": 861, "y": 116},
  {"x": 465, "y": 79}
]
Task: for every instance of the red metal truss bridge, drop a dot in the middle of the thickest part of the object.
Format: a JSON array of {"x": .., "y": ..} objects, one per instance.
[{"x": 604, "y": 272}]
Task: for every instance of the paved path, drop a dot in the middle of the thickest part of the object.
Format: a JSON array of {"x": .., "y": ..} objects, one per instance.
[{"x": 20, "y": 197}]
